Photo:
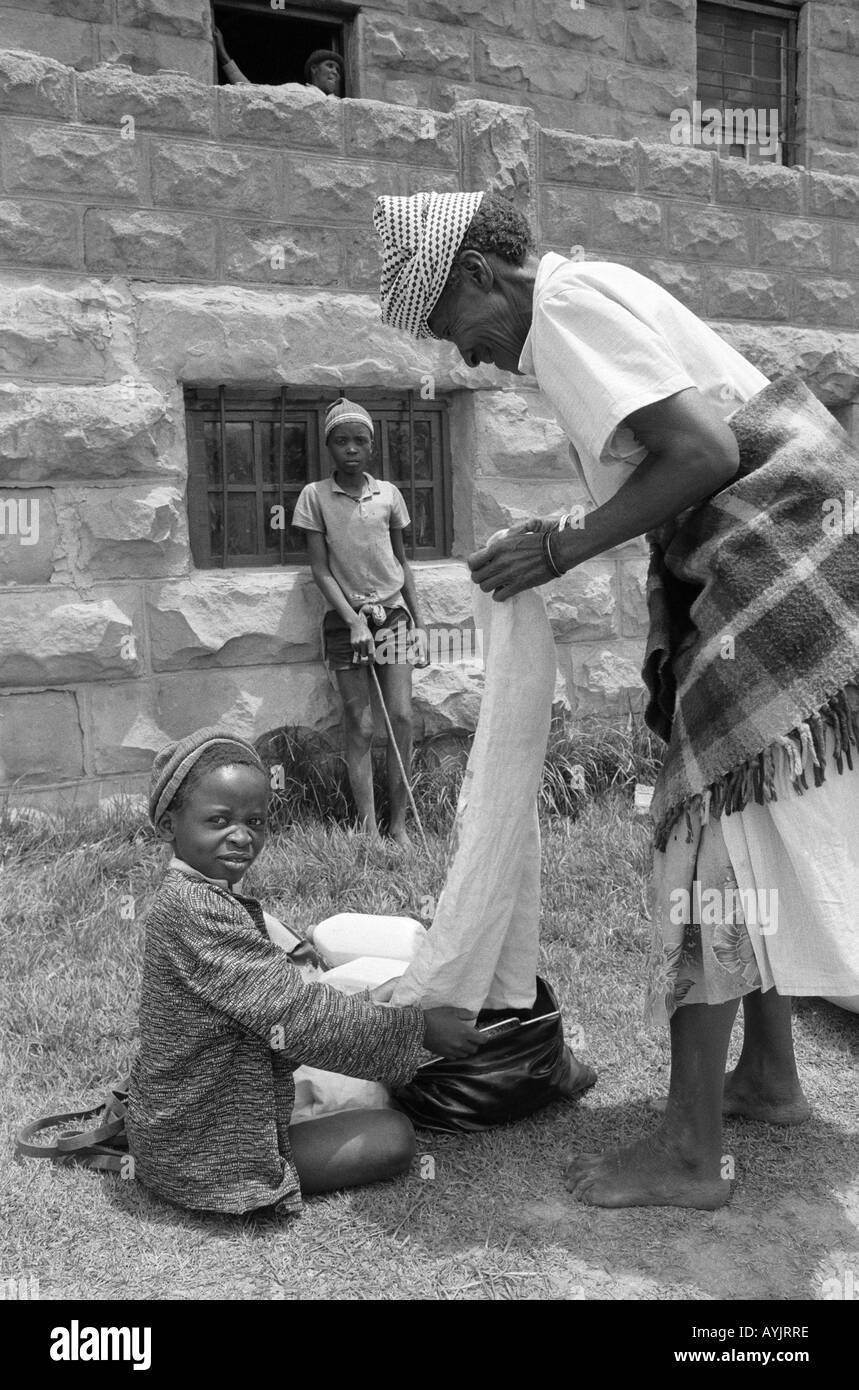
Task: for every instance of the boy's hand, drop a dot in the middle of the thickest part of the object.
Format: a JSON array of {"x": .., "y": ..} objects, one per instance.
[
  {"x": 361, "y": 637},
  {"x": 418, "y": 647},
  {"x": 451, "y": 1033}
]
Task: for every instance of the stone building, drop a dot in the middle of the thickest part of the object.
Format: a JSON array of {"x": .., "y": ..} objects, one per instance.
[{"x": 189, "y": 273}]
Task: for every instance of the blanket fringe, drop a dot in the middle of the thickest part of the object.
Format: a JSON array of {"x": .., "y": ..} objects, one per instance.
[{"x": 754, "y": 780}]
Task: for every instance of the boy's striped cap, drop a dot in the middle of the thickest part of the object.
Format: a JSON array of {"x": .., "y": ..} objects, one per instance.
[
  {"x": 420, "y": 238},
  {"x": 345, "y": 412},
  {"x": 173, "y": 763}
]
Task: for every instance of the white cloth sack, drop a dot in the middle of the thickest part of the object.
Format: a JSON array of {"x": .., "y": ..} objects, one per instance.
[{"x": 481, "y": 950}]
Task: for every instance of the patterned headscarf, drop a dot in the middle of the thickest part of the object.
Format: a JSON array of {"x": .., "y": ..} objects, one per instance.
[
  {"x": 420, "y": 238},
  {"x": 344, "y": 412}
]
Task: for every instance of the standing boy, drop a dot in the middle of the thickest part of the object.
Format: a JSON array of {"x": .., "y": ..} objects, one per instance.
[{"x": 354, "y": 524}]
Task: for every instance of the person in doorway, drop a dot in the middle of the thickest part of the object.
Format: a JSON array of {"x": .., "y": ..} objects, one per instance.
[{"x": 354, "y": 524}]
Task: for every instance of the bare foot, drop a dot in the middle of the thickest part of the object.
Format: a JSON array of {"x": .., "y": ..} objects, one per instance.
[
  {"x": 650, "y": 1173},
  {"x": 580, "y": 1077},
  {"x": 755, "y": 1100},
  {"x": 400, "y": 839}
]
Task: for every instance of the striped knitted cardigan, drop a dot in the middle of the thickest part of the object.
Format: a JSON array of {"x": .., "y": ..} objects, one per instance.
[
  {"x": 753, "y": 647},
  {"x": 225, "y": 1018}
]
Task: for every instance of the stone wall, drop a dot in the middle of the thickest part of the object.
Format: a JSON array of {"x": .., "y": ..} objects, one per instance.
[{"x": 138, "y": 214}]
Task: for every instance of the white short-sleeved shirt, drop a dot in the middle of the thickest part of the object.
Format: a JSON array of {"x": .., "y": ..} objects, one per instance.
[
  {"x": 358, "y": 534},
  {"x": 606, "y": 341}
]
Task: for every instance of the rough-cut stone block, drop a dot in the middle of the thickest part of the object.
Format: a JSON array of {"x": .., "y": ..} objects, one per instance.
[
  {"x": 445, "y": 593},
  {"x": 244, "y": 618},
  {"x": 68, "y": 40},
  {"x": 148, "y": 52},
  {"x": 446, "y": 698},
  {"x": 189, "y": 19},
  {"x": 129, "y": 723},
  {"x": 375, "y": 130},
  {"x": 125, "y": 532},
  {"x": 517, "y": 66},
  {"x": 832, "y": 195},
  {"x": 108, "y": 95},
  {"x": 215, "y": 177},
  {"x": 40, "y": 738},
  {"x": 627, "y": 223},
  {"x": 836, "y": 161},
  {"x": 688, "y": 283},
  {"x": 362, "y": 258},
  {"x": 34, "y": 86},
  {"x": 329, "y": 339},
  {"x": 81, "y": 328},
  {"x": 660, "y": 43},
  {"x": 322, "y": 191},
  {"x": 708, "y": 234},
  {"x": 73, "y": 432},
  {"x": 827, "y": 362},
  {"x": 272, "y": 114},
  {"x": 628, "y": 90},
  {"x": 150, "y": 245},
  {"x": 53, "y": 638},
  {"x": 832, "y": 302},
  {"x": 580, "y": 160},
  {"x": 583, "y": 606},
  {"x": 750, "y": 294},
  {"x": 505, "y": 16},
  {"x": 678, "y": 172},
  {"x": 28, "y": 536},
  {"x": 387, "y": 42},
  {"x": 87, "y": 11},
  {"x": 833, "y": 75},
  {"x": 634, "y": 620},
  {"x": 497, "y": 148},
  {"x": 416, "y": 91},
  {"x": 793, "y": 241},
  {"x": 759, "y": 185},
  {"x": 498, "y": 502},
  {"x": 584, "y": 29},
  {"x": 604, "y": 679},
  {"x": 58, "y": 159},
  {"x": 515, "y": 438},
  {"x": 566, "y": 216},
  {"x": 847, "y": 256},
  {"x": 834, "y": 27},
  {"x": 833, "y": 124},
  {"x": 580, "y": 117},
  {"x": 281, "y": 255},
  {"x": 39, "y": 233}
]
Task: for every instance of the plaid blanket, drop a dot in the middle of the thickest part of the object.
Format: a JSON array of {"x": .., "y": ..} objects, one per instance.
[{"x": 753, "y": 599}]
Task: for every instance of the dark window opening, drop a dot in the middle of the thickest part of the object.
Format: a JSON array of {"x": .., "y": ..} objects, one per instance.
[
  {"x": 272, "y": 45},
  {"x": 747, "y": 63},
  {"x": 250, "y": 452}
]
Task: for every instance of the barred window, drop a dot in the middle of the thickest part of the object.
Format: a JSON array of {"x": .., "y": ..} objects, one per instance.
[
  {"x": 250, "y": 452},
  {"x": 747, "y": 64}
]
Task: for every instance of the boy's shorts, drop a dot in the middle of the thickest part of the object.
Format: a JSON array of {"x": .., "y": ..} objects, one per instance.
[{"x": 390, "y": 635}]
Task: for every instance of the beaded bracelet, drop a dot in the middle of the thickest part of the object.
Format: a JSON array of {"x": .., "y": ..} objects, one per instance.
[{"x": 547, "y": 553}]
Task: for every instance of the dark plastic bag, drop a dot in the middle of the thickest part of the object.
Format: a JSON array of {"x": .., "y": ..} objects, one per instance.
[{"x": 511, "y": 1076}]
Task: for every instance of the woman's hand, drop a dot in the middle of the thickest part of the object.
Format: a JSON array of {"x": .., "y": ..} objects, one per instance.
[
  {"x": 451, "y": 1033},
  {"x": 514, "y": 562},
  {"x": 361, "y": 637}
]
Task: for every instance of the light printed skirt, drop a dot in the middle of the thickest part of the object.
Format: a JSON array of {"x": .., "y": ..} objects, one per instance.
[{"x": 767, "y": 897}]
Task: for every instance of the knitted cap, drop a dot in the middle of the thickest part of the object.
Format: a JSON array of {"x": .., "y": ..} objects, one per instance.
[
  {"x": 420, "y": 238},
  {"x": 322, "y": 55},
  {"x": 173, "y": 763},
  {"x": 344, "y": 412}
]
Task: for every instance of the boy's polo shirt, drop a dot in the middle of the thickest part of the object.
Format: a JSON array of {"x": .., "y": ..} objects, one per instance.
[{"x": 358, "y": 534}]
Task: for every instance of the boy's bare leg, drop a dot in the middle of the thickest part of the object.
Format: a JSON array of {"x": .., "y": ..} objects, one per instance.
[
  {"x": 765, "y": 1085},
  {"x": 351, "y": 1148},
  {"x": 680, "y": 1165},
  {"x": 354, "y": 687},
  {"x": 396, "y": 682}
]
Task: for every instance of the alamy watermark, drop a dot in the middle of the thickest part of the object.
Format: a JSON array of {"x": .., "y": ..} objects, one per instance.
[
  {"x": 709, "y": 127},
  {"x": 728, "y": 906},
  {"x": 19, "y": 516}
]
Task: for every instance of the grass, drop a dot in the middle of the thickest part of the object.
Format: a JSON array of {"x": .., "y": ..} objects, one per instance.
[{"x": 495, "y": 1221}]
